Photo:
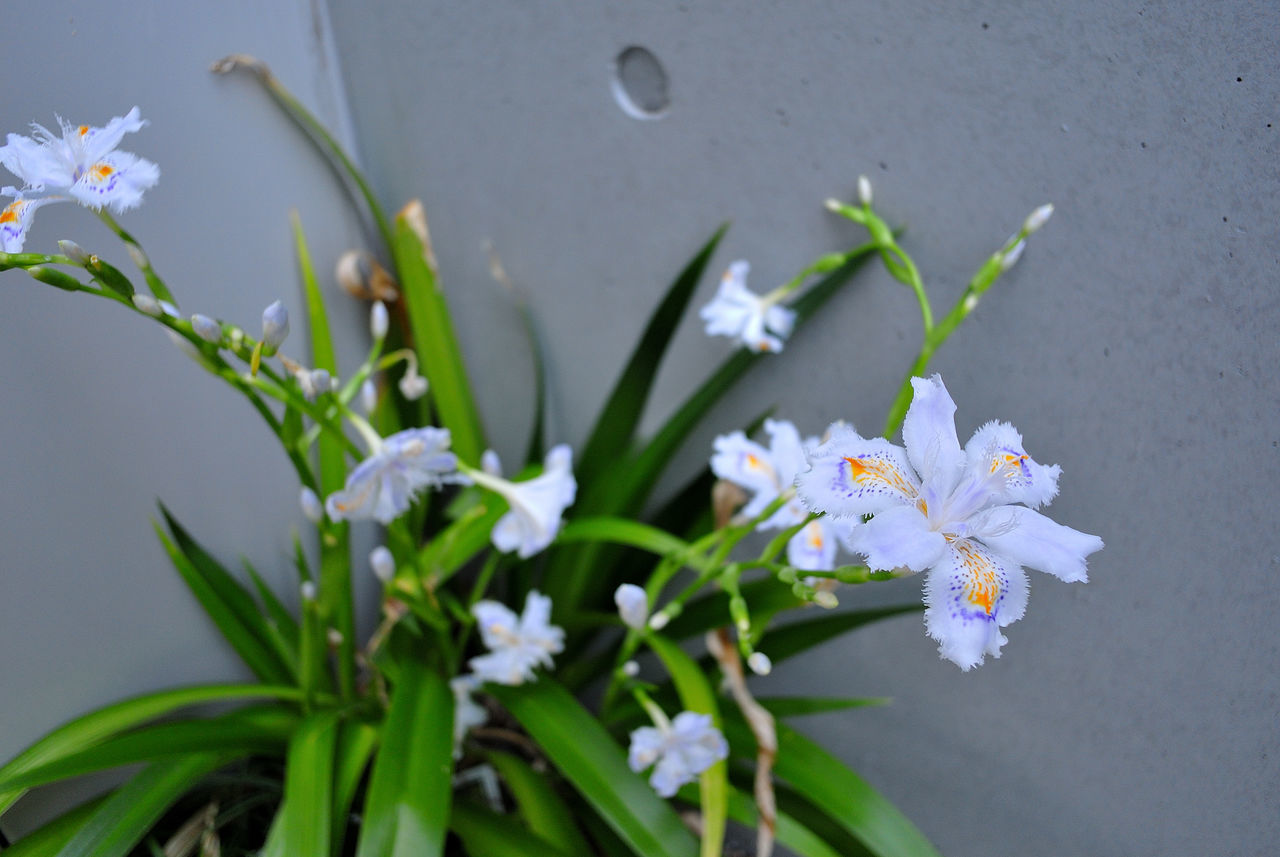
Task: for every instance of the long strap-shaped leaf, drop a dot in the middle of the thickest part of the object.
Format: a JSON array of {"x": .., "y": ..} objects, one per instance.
[
  {"x": 843, "y": 795},
  {"x": 583, "y": 751},
  {"x": 49, "y": 839},
  {"x": 616, "y": 425},
  {"x": 406, "y": 812},
  {"x": 433, "y": 335},
  {"x": 336, "y": 602},
  {"x": 541, "y": 808},
  {"x": 260, "y": 729},
  {"x": 305, "y": 813},
  {"x": 228, "y": 604},
  {"x": 125, "y": 817},
  {"x": 99, "y": 725},
  {"x": 697, "y": 695},
  {"x": 487, "y": 834}
]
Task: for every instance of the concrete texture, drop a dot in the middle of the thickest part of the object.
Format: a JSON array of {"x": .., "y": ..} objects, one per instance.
[{"x": 1135, "y": 343}]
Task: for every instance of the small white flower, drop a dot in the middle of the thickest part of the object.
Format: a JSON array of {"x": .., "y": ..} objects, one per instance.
[
  {"x": 516, "y": 644},
  {"x": 467, "y": 713},
  {"x": 308, "y": 590},
  {"x": 412, "y": 385},
  {"x": 383, "y": 563},
  {"x": 536, "y": 505},
  {"x": 633, "y": 605},
  {"x": 769, "y": 472},
  {"x": 952, "y": 511},
  {"x": 310, "y": 503},
  {"x": 16, "y": 218},
  {"x": 206, "y": 328},
  {"x": 275, "y": 325},
  {"x": 383, "y": 485},
  {"x": 759, "y": 323},
  {"x": 679, "y": 751},
  {"x": 378, "y": 320},
  {"x": 759, "y": 663},
  {"x": 631, "y": 669},
  {"x": 83, "y": 163}
]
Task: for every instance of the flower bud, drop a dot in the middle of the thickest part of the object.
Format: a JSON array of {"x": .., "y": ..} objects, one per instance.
[
  {"x": 74, "y": 252},
  {"x": 275, "y": 325},
  {"x": 310, "y": 503},
  {"x": 147, "y": 305},
  {"x": 378, "y": 320},
  {"x": 368, "y": 396},
  {"x": 308, "y": 590},
  {"x": 633, "y": 605},
  {"x": 321, "y": 380},
  {"x": 826, "y": 600},
  {"x": 864, "y": 190},
  {"x": 490, "y": 463},
  {"x": 1010, "y": 257},
  {"x": 759, "y": 663},
  {"x": 382, "y": 563},
  {"x": 413, "y": 386},
  {"x": 169, "y": 309},
  {"x": 1037, "y": 218},
  {"x": 206, "y": 328},
  {"x": 334, "y": 636},
  {"x": 631, "y": 669},
  {"x": 659, "y": 620}
]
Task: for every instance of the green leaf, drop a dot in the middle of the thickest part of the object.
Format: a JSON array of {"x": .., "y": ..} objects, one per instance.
[
  {"x": 279, "y": 620},
  {"x": 305, "y": 813},
  {"x": 487, "y": 834},
  {"x": 406, "y": 811},
  {"x": 839, "y": 792},
  {"x": 433, "y": 335},
  {"x": 623, "y": 532},
  {"x": 616, "y": 425},
  {"x": 356, "y": 742},
  {"x": 538, "y": 804},
  {"x": 121, "y": 821},
  {"x": 798, "y": 637},
  {"x": 258, "y": 729},
  {"x": 697, "y": 695},
  {"x": 52, "y": 837},
  {"x": 99, "y": 725},
  {"x": 587, "y": 756},
  {"x": 798, "y": 706},
  {"x": 228, "y": 604}
]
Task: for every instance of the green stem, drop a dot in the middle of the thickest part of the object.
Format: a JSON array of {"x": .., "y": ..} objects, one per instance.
[{"x": 139, "y": 256}]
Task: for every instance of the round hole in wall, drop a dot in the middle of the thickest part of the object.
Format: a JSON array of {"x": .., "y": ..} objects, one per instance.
[{"x": 639, "y": 84}]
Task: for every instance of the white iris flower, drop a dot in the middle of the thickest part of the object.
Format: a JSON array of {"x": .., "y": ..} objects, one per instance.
[
  {"x": 767, "y": 473},
  {"x": 736, "y": 311},
  {"x": 679, "y": 750},
  {"x": 953, "y": 511},
  {"x": 383, "y": 485},
  {"x": 516, "y": 644},
  {"x": 537, "y": 505}
]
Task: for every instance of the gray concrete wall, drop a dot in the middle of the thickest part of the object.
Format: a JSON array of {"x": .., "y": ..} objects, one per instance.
[{"x": 1134, "y": 343}]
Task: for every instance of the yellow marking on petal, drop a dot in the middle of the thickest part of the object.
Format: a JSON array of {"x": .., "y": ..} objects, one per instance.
[
  {"x": 82, "y": 130},
  {"x": 923, "y": 507},
  {"x": 100, "y": 171},
  {"x": 752, "y": 461},
  {"x": 1008, "y": 461},
  {"x": 871, "y": 469},
  {"x": 981, "y": 585},
  {"x": 815, "y": 537},
  {"x": 12, "y": 211}
]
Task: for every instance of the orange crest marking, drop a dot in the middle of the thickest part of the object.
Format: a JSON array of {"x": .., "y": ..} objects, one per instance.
[
  {"x": 870, "y": 470},
  {"x": 981, "y": 585},
  {"x": 101, "y": 171}
]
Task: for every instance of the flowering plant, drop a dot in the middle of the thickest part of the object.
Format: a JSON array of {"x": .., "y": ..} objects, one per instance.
[{"x": 457, "y": 726}]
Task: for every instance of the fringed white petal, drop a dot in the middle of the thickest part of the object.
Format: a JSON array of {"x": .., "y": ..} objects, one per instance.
[
  {"x": 898, "y": 537},
  {"x": 970, "y": 595},
  {"x": 996, "y": 450},
  {"x": 849, "y": 475},
  {"x": 929, "y": 434},
  {"x": 814, "y": 547},
  {"x": 1033, "y": 540}
]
